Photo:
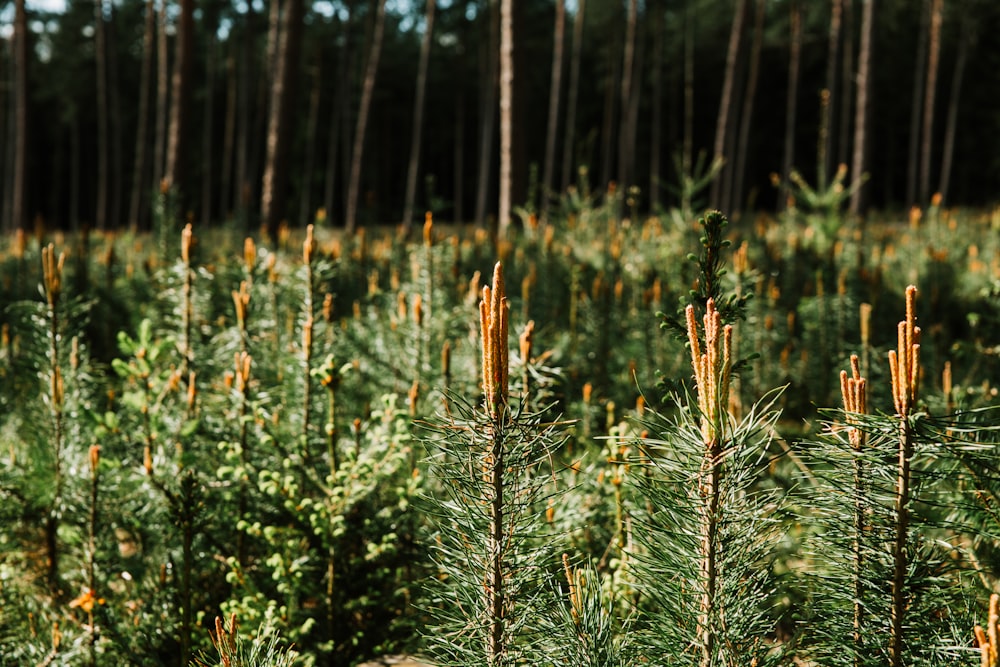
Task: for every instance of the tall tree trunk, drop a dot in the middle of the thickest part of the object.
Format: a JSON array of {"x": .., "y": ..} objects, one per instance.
[
  {"x": 242, "y": 176},
  {"x": 181, "y": 102},
  {"x": 364, "y": 108},
  {"x": 20, "y": 176},
  {"x": 913, "y": 155},
  {"x": 115, "y": 121},
  {"x": 488, "y": 112},
  {"x": 930, "y": 96},
  {"x": 832, "y": 58},
  {"x": 687, "y": 148},
  {"x": 341, "y": 93},
  {"x": 208, "y": 122},
  {"x": 136, "y": 210},
  {"x": 569, "y": 140},
  {"x": 656, "y": 134},
  {"x": 951, "y": 124},
  {"x": 162, "y": 95},
  {"x": 743, "y": 141},
  {"x": 312, "y": 126},
  {"x": 858, "y": 162},
  {"x": 792, "y": 101},
  {"x": 274, "y": 185},
  {"x": 9, "y": 134},
  {"x": 459, "y": 159},
  {"x": 555, "y": 92},
  {"x": 846, "y": 86},
  {"x": 416, "y": 136},
  {"x": 609, "y": 117},
  {"x": 627, "y": 91},
  {"x": 100, "y": 60},
  {"x": 726, "y": 99},
  {"x": 506, "y": 112},
  {"x": 228, "y": 138}
]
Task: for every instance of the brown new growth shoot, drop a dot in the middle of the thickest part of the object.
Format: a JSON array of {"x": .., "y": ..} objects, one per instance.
[
  {"x": 493, "y": 310},
  {"x": 988, "y": 640},
  {"x": 854, "y": 390},
  {"x": 712, "y": 367},
  {"x": 904, "y": 364}
]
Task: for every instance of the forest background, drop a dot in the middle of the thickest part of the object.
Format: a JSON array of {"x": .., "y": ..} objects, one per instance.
[{"x": 377, "y": 111}]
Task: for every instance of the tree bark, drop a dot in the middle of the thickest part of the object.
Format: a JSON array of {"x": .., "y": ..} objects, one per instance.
[
  {"x": 459, "y": 158},
  {"x": 20, "y": 176},
  {"x": 628, "y": 90},
  {"x": 687, "y": 148},
  {"x": 656, "y": 134},
  {"x": 228, "y": 138},
  {"x": 572, "y": 95},
  {"x": 792, "y": 101},
  {"x": 506, "y": 112},
  {"x": 555, "y": 92},
  {"x": 100, "y": 60},
  {"x": 913, "y": 161},
  {"x": 951, "y": 124},
  {"x": 847, "y": 85},
  {"x": 274, "y": 185},
  {"x": 341, "y": 93},
  {"x": 208, "y": 123},
  {"x": 136, "y": 209},
  {"x": 162, "y": 95},
  {"x": 743, "y": 140},
  {"x": 364, "y": 107},
  {"x": 858, "y": 162},
  {"x": 832, "y": 57},
  {"x": 488, "y": 112},
  {"x": 306, "y": 213},
  {"x": 726, "y": 99},
  {"x": 930, "y": 96},
  {"x": 416, "y": 136},
  {"x": 181, "y": 102},
  {"x": 115, "y": 121},
  {"x": 242, "y": 176}
]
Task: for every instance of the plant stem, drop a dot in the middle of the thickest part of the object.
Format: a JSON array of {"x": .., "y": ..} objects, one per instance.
[
  {"x": 711, "y": 476},
  {"x": 899, "y": 555},
  {"x": 495, "y": 649}
]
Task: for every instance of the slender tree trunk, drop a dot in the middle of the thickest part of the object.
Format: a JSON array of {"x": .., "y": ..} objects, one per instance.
[
  {"x": 687, "y": 148},
  {"x": 228, "y": 139},
  {"x": 115, "y": 121},
  {"x": 364, "y": 108},
  {"x": 656, "y": 134},
  {"x": 847, "y": 85},
  {"x": 743, "y": 141},
  {"x": 726, "y": 100},
  {"x": 930, "y": 96},
  {"x": 569, "y": 141},
  {"x": 74, "y": 172},
  {"x": 490, "y": 83},
  {"x": 792, "y": 101},
  {"x": 242, "y": 176},
  {"x": 951, "y": 124},
  {"x": 913, "y": 161},
  {"x": 627, "y": 91},
  {"x": 416, "y": 136},
  {"x": 612, "y": 94},
  {"x": 832, "y": 58},
  {"x": 136, "y": 214},
  {"x": 181, "y": 102},
  {"x": 100, "y": 60},
  {"x": 858, "y": 162},
  {"x": 162, "y": 95},
  {"x": 274, "y": 185},
  {"x": 208, "y": 125},
  {"x": 20, "y": 176},
  {"x": 459, "y": 185},
  {"x": 506, "y": 112},
  {"x": 555, "y": 92},
  {"x": 306, "y": 213},
  {"x": 9, "y": 134},
  {"x": 340, "y": 93}
]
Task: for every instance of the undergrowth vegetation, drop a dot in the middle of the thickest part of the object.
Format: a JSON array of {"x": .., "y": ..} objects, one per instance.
[{"x": 601, "y": 441}]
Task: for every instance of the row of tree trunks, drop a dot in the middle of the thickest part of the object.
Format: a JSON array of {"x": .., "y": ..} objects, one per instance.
[{"x": 417, "y": 134}]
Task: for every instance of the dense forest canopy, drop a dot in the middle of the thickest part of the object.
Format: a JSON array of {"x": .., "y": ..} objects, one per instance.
[{"x": 263, "y": 111}]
